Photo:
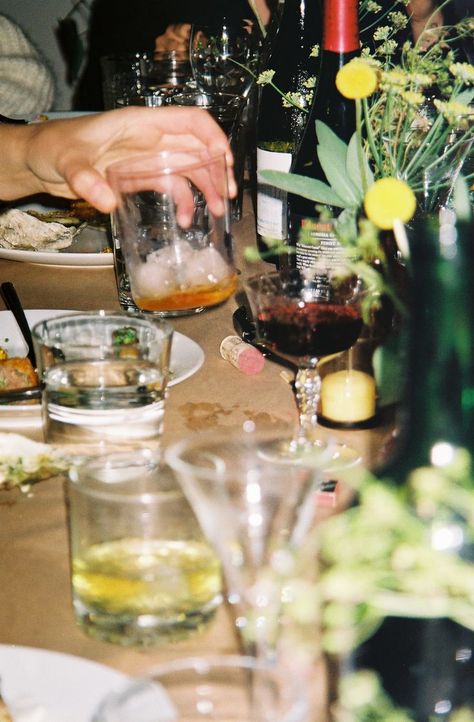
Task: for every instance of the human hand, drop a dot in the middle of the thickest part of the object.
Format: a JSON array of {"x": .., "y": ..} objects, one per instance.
[
  {"x": 176, "y": 37},
  {"x": 69, "y": 157}
]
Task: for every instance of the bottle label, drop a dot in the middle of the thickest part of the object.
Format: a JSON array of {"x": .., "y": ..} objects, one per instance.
[
  {"x": 317, "y": 248},
  {"x": 271, "y": 202}
]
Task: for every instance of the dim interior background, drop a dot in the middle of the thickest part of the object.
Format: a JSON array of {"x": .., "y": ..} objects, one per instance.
[{"x": 38, "y": 20}]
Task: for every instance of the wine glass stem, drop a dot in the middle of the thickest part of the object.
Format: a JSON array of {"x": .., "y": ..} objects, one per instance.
[{"x": 307, "y": 390}]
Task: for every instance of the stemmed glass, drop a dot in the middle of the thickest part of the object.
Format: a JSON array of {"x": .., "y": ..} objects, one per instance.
[
  {"x": 219, "y": 55},
  {"x": 299, "y": 320},
  {"x": 251, "y": 508}
]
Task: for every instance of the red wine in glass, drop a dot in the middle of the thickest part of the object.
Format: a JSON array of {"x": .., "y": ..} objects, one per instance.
[
  {"x": 296, "y": 322},
  {"x": 298, "y": 330}
]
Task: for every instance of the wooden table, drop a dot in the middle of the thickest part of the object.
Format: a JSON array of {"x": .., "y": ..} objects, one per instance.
[{"x": 35, "y": 604}]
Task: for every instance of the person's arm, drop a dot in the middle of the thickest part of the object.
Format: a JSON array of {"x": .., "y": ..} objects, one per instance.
[{"x": 68, "y": 158}]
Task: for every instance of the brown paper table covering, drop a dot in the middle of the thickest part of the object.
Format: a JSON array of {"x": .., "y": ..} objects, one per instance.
[{"x": 35, "y": 605}]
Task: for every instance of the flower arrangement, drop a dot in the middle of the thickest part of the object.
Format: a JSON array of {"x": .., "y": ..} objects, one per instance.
[
  {"x": 414, "y": 123},
  {"x": 394, "y": 554}
]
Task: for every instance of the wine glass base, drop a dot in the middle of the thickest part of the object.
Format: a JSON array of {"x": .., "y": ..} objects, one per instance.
[{"x": 328, "y": 457}]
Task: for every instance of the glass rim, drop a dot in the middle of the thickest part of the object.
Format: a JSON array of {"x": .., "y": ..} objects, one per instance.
[
  {"x": 132, "y": 168},
  {"x": 113, "y": 490},
  {"x": 298, "y": 704},
  {"x": 155, "y": 323}
]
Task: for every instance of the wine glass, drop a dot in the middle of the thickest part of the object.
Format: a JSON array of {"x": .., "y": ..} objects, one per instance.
[
  {"x": 301, "y": 320},
  {"x": 220, "y": 54},
  {"x": 251, "y": 508}
]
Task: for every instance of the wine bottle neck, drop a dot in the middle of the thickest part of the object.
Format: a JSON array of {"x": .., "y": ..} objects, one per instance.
[
  {"x": 440, "y": 392},
  {"x": 341, "y": 26}
]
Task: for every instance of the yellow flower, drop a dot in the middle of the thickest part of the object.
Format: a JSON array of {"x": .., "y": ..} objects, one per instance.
[
  {"x": 356, "y": 79},
  {"x": 387, "y": 200}
]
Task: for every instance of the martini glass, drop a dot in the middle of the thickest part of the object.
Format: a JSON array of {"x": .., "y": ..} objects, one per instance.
[
  {"x": 252, "y": 508},
  {"x": 301, "y": 321}
]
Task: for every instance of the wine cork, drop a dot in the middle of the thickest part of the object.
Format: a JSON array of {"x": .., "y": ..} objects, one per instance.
[{"x": 242, "y": 355}]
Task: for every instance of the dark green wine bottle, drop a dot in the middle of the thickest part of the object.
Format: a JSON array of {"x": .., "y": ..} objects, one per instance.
[
  {"x": 340, "y": 44},
  {"x": 426, "y": 664},
  {"x": 278, "y": 128}
]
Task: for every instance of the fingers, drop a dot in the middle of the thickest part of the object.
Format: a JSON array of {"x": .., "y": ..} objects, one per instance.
[{"x": 89, "y": 184}]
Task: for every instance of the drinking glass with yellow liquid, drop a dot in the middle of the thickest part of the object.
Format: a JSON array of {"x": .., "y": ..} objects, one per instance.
[
  {"x": 142, "y": 572},
  {"x": 172, "y": 241}
]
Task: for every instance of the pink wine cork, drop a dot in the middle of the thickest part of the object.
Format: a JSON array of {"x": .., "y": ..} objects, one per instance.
[{"x": 242, "y": 355}]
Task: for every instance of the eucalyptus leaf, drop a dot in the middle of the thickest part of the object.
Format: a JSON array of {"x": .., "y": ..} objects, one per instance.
[
  {"x": 353, "y": 167},
  {"x": 465, "y": 96},
  {"x": 300, "y": 185},
  {"x": 332, "y": 154},
  {"x": 462, "y": 201}
]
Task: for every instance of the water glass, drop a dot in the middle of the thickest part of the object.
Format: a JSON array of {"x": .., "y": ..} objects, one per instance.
[
  {"x": 173, "y": 248},
  {"x": 229, "y": 110},
  {"x": 211, "y": 689},
  {"x": 105, "y": 380},
  {"x": 123, "y": 77},
  {"x": 141, "y": 571}
]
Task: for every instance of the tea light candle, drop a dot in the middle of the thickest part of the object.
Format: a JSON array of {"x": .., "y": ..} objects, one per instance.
[{"x": 348, "y": 396}]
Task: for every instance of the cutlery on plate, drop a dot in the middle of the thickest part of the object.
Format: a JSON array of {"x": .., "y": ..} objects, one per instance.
[
  {"x": 26, "y": 394},
  {"x": 13, "y": 303}
]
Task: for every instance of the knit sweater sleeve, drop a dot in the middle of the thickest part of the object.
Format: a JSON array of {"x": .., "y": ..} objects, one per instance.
[{"x": 26, "y": 84}]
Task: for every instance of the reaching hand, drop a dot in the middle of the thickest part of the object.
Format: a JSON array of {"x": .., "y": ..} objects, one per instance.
[{"x": 69, "y": 157}]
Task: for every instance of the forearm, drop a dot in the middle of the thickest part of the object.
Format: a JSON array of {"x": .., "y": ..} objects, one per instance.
[{"x": 16, "y": 178}]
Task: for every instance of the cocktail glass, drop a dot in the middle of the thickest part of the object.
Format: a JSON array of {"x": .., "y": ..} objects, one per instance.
[
  {"x": 299, "y": 320},
  {"x": 252, "y": 508}
]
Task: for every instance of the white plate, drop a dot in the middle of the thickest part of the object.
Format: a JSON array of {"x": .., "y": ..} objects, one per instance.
[
  {"x": 57, "y": 687},
  {"x": 187, "y": 357},
  {"x": 87, "y": 248}
]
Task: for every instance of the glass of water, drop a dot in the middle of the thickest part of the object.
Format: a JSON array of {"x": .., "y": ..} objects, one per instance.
[{"x": 105, "y": 380}]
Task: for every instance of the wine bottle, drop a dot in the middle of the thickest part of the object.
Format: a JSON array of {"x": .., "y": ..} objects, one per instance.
[
  {"x": 426, "y": 665},
  {"x": 278, "y": 128},
  {"x": 340, "y": 44}
]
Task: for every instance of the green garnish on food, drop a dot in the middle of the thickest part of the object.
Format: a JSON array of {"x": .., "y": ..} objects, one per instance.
[{"x": 126, "y": 336}]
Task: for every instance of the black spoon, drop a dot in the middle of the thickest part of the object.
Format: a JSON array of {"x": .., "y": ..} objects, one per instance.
[{"x": 13, "y": 303}]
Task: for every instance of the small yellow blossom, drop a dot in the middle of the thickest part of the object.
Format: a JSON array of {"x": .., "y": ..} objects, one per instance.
[
  {"x": 356, "y": 79},
  {"x": 413, "y": 99},
  {"x": 421, "y": 80},
  {"x": 463, "y": 71},
  {"x": 382, "y": 33},
  {"x": 456, "y": 113},
  {"x": 395, "y": 78},
  {"x": 265, "y": 77},
  {"x": 388, "y": 200},
  {"x": 314, "y": 52}
]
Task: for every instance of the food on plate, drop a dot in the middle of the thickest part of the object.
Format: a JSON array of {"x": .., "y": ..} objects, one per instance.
[
  {"x": 77, "y": 213},
  {"x": 24, "y": 462},
  {"x": 16, "y": 372},
  {"x": 20, "y": 230}
]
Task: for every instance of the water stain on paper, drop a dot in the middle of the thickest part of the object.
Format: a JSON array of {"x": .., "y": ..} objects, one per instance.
[{"x": 205, "y": 415}]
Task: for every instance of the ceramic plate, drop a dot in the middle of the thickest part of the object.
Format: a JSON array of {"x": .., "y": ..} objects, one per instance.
[
  {"x": 43, "y": 686},
  {"x": 187, "y": 357},
  {"x": 90, "y": 246}
]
